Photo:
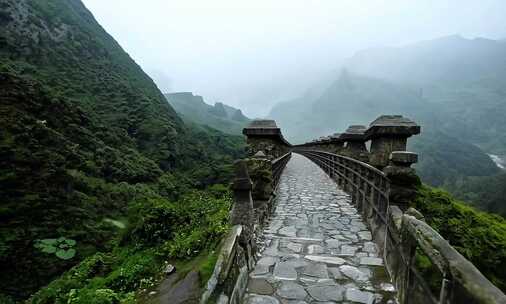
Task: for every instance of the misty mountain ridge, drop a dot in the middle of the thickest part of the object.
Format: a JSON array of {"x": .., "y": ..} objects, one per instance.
[
  {"x": 354, "y": 99},
  {"x": 194, "y": 109},
  {"x": 463, "y": 79},
  {"x": 452, "y": 86},
  {"x": 350, "y": 99},
  {"x": 446, "y": 61}
]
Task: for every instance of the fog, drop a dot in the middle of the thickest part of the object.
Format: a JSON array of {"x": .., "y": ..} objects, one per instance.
[{"x": 252, "y": 54}]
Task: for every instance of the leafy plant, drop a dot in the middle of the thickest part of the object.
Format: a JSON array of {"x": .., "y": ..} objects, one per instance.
[
  {"x": 479, "y": 236},
  {"x": 158, "y": 230},
  {"x": 62, "y": 247}
]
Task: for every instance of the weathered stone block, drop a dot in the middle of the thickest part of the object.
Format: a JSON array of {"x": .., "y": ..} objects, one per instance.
[
  {"x": 402, "y": 176},
  {"x": 403, "y": 158},
  {"x": 389, "y": 133},
  {"x": 260, "y": 172},
  {"x": 265, "y": 136}
]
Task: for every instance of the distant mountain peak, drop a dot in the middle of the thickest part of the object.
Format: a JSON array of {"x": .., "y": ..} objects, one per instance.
[
  {"x": 219, "y": 116},
  {"x": 445, "y": 61}
]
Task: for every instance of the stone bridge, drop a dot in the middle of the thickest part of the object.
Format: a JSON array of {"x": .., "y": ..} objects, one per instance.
[{"x": 329, "y": 222}]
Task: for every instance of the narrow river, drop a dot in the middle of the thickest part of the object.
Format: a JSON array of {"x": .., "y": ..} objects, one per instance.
[{"x": 500, "y": 161}]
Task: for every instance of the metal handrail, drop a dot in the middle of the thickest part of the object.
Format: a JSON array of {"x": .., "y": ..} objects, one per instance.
[
  {"x": 278, "y": 165},
  {"x": 366, "y": 184}
]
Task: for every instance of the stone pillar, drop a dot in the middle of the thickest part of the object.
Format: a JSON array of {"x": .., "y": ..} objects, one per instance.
[
  {"x": 403, "y": 179},
  {"x": 389, "y": 133},
  {"x": 265, "y": 136},
  {"x": 336, "y": 145},
  {"x": 354, "y": 143},
  {"x": 260, "y": 172},
  {"x": 242, "y": 210}
]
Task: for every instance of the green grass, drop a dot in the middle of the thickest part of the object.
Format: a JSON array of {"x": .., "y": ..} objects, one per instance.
[
  {"x": 478, "y": 236},
  {"x": 137, "y": 263}
]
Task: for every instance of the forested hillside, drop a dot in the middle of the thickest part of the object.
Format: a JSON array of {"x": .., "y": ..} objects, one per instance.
[
  {"x": 353, "y": 99},
  {"x": 192, "y": 108},
  {"x": 86, "y": 138},
  {"x": 464, "y": 78}
]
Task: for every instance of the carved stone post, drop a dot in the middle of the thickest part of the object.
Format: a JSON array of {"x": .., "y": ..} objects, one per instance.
[
  {"x": 265, "y": 136},
  {"x": 242, "y": 211},
  {"x": 260, "y": 172},
  {"x": 389, "y": 133},
  {"x": 336, "y": 144},
  {"x": 403, "y": 178},
  {"x": 408, "y": 251},
  {"x": 354, "y": 143}
]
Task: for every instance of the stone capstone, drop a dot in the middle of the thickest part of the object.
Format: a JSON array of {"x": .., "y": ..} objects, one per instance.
[{"x": 403, "y": 158}]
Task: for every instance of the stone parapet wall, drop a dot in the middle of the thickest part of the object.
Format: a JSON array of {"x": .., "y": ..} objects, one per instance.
[
  {"x": 386, "y": 134},
  {"x": 253, "y": 188},
  {"x": 453, "y": 279},
  {"x": 424, "y": 267},
  {"x": 225, "y": 285}
]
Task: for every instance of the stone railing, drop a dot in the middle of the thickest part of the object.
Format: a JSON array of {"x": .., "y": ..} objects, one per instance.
[
  {"x": 424, "y": 267},
  {"x": 278, "y": 165},
  {"x": 404, "y": 239},
  {"x": 387, "y": 133},
  {"x": 368, "y": 186},
  {"x": 256, "y": 178},
  {"x": 447, "y": 278}
]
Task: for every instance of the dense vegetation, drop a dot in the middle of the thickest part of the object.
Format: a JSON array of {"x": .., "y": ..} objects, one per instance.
[
  {"x": 478, "y": 236},
  {"x": 158, "y": 231},
  {"x": 192, "y": 108},
  {"x": 484, "y": 192},
  {"x": 445, "y": 159},
  {"x": 90, "y": 151}
]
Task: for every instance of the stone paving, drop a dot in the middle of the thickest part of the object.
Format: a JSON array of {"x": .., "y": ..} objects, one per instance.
[{"x": 316, "y": 248}]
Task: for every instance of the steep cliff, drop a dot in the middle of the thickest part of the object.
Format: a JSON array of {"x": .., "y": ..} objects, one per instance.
[
  {"x": 84, "y": 135},
  {"x": 193, "y": 109}
]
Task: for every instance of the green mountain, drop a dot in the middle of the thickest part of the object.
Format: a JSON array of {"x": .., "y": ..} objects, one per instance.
[
  {"x": 453, "y": 87},
  {"x": 86, "y": 138},
  {"x": 353, "y": 99},
  {"x": 485, "y": 192},
  {"x": 220, "y": 116},
  {"x": 464, "y": 78},
  {"x": 350, "y": 99},
  {"x": 443, "y": 62}
]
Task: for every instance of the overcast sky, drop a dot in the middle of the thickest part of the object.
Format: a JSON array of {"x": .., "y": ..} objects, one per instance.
[{"x": 252, "y": 54}]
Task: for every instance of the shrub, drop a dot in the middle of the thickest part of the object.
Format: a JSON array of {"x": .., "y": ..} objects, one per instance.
[{"x": 479, "y": 236}]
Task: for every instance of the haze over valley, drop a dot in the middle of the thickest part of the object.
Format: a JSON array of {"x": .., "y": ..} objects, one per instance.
[{"x": 318, "y": 69}]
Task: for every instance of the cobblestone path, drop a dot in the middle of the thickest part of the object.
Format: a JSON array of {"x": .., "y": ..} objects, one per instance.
[{"x": 316, "y": 248}]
